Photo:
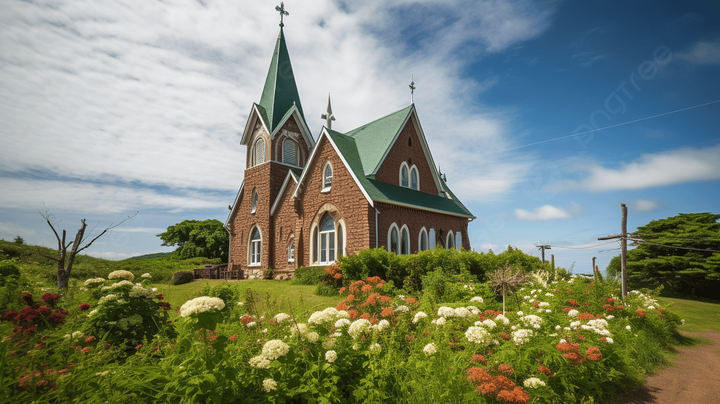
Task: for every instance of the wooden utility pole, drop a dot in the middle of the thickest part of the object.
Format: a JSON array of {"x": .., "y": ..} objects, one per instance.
[
  {"x": 543, "y": 248},
  {"x": 593, "y": 267},
  {"x": 552, "y": 260},
  {"x": 623, "y": 247}
]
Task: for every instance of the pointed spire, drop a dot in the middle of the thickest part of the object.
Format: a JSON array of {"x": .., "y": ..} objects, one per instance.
[
  {"x": 328, "y": 117},
  {"x": 280, "y": 91},
  {"x": 281, "y": 10}
]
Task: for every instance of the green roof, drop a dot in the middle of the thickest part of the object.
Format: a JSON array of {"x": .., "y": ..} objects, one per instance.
[
  {"x": 388, "y": 193},
  {"x": 280, "y": 92},
  {"x": 375, "y": 138}
]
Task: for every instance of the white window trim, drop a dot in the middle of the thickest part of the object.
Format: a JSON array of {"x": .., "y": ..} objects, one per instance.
[
  {"x": 327, "y": 187},
  {"x": 427, "y": 240},
  {"x": 404, "y": 230},
  {"x": 314, "y": 242},
  {"x": 400, "y": 173},
  {"x": 291, "y": 249},
  {"x": 389, "y": 239},
  {"x": 285, "y": 142},
  {"x": 449, "y": 237},
  {"x": 250, "y": 243},
  {"x": 417, "y": 176},
  {"x": 458, "y": 240},
  {"x": 254, "y": 151}
]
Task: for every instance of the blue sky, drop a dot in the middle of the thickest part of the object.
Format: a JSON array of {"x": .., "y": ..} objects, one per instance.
[{"x": 122, "y": 106}]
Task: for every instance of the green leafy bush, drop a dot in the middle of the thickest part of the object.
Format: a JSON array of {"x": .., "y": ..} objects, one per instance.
[
  {"x": 308, "y": 275},
  {"x": 9, "y": 271},
  {"x": 182, "y": 277}
]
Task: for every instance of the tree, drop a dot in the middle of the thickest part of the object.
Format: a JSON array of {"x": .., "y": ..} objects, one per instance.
[
  {"x": 196, "y": 238},
  {"x": 680, "y": 253},
  {"x": 66, "y": 259},
  {"x": 19, "y": 240}
]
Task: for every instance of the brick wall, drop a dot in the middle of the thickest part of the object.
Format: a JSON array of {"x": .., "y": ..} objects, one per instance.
[
  {"x": 401, "y": 151},
  {"x": 416, "y": 219}
]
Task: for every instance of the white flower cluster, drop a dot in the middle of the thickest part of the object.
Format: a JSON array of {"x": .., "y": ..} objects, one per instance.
[
  {"x": 470, "y": 287},
  {"x": 430, "y": 349},
  {"x": 446, "y": 312},
  {"x": 75, "y": 335},
  {"x": 342, "y": 323},
  {"x": 573, "y": 313},
  {"x": 119, "y": 285},
  {"x": 280, "y": 317},
  {"x": 522, "y": 336},
  {"x": 140, "y": 291},
  {"x": 108, "y": 298},
  {"x": 146, "y": 275},
  {"x": 331, "y": 356},
  {"x": 489, "y": 324},
  {"x": 381, "y": 325},
  {"x": 94, "y": 282},
  {"x": 502, "y": 318},
  {"x": 358, "y": 327},
  {"x": 329, "y": 344},
  {"x": 269, "y": 385},
  {"x": 322, "y": 317},
  {"x": 477, "y": 299},
  {"x": 274, "y": 349},
  {"x": 544, "y": 304},
  {"x": 121, "y": 274},
  {"x": 532, "y": 320},
  {"x": 533, "y": 383},
  {"x": 200, "y": 305},
  {"x": 259, "y": 362},
  {"x": 303, "y": 330},
  {"x": 439, "y": 321},
  {"x": 418, "y": 316},
  {"x": 402, "y": 309},
  {"x": 609, "y": 340},
  {"x": 478, "y": 335},
  {"x": 375, "y": 348}
]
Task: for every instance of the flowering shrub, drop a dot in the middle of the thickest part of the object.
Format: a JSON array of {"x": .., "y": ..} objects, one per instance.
[{"x": 368, "y": 348}]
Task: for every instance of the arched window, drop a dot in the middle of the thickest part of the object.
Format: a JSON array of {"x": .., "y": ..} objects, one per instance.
[
  {"x": 404, "y": 175},
  {"x": 289, "y": 149},
  {"x": 327, "y": 177},
  {"x": 259, "y": 152},
  {"x": 458, "y": 240},
  {"x": 432, "y": 239},
  {"x": 414, "y": 179},
  {"x": 255, "y": 246},
  {"x": 254, "y": 202},
  {"x": 393, "y": 239},
  {"x": 327, "y": 239},
  {"x": 423, "y": 240},
  {"x": 291, "y": 250},
  {"x": 405, "y": 241},
  {"x": 450, "y": 240}
]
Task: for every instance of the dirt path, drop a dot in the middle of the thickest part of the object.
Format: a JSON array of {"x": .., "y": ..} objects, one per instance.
[{"x": 693, "y": 378}]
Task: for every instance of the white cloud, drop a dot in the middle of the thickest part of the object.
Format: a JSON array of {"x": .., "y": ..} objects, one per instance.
[
  {"x": 702, "y": 53},
  {"x": 488, "y": 246},
  {"x": 155, "y": 94},
  {"x": 654, "y": 170},
  {"x": 545, "y": 212},
  {"x": 644, "y": 205},
  {"x": 111, "y": 255}
]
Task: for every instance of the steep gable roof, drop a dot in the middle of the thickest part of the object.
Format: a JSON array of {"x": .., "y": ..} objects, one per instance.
[
  {"x": 280, "y": 91},
  {"x": 374, "y": 139}
]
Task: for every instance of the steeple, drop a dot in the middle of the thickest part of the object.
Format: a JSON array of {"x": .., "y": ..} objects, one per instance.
[{"x": 280, "y": 92}]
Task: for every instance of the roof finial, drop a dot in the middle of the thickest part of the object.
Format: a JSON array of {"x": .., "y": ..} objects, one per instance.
[
  {"x": 412, "y": 89},
  {"x": 281, "y": 10},
  {"x": 328, "y": 117}
]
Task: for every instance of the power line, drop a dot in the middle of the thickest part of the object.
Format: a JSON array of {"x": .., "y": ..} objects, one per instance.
[
  {"x": 607, "y": 127},
  {"x": 673, "y": 246}
]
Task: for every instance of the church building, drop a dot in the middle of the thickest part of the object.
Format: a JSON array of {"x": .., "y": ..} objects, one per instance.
[{"x": 307, "y": 201}]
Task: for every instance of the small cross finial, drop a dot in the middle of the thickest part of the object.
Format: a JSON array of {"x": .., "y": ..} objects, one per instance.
[
  {"x": 281, "y": 10},
  {"x": 412, "y": 89},
  {"x": 328, "y": 117}
]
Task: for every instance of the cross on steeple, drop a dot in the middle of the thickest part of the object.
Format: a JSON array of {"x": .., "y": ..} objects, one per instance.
[
  {"x": 412, "y": 89},
  {"x": 328, "y": 117},
  {"x": 281, "y": 10}
]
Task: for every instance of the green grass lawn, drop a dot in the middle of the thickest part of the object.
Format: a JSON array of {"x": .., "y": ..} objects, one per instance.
[
  {"x": 699, "y": 316},
  {"x": 272, "y": 296}
]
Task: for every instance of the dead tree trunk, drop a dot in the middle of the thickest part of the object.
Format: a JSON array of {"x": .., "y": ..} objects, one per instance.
[{"x": 66, "y": 259}]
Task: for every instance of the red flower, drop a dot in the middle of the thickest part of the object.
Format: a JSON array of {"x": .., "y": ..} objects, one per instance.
[
  {"x": 350, "y": 298},
  {"x": 581, "y": 338},
  {"x": 63, "y": 371},
  {"x": 608, "y": 307},
  {"x": 410, "y": 300},
  {"x": 388, "y": 311},
  {"x": 160, "y": 296},
  {"x": 385, "y": 299},
  {"x": 593, "y": 353},
  {"x": 164, "y": 305},
  {"x": 137, "y": 348},
  {"x": 478, "y": 358},
  {"x": 585, "y": 316},
  {"x": 9, "y": 316},
  {"x": 246, "y": 319},
  {"x": 85, "y": 350},
  {"x": 50, "y": 299},
  {"x": 56, "y": 318},
  {"x": 506, "y": 369},
  {"x": 90, "y": 339},
  {"x": 341, "y": 306},
  {"x": 610, "y": 300},
  {"x": 84, "y": 307},
  {"x": 620, "y": 307},
  {"x": 640, "y": 313},
  {"x": 587, "y": 304},
  {"x": 546, "y": 370},
  {"x": 536, "y": 304},
  {"x": 505, "y": 336},
  {"x": 27, "y": 298},
  {"x": 233, "y": 338},
  {"x": 353, "y": 314},
  {"x": 573, "y": 302}
]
